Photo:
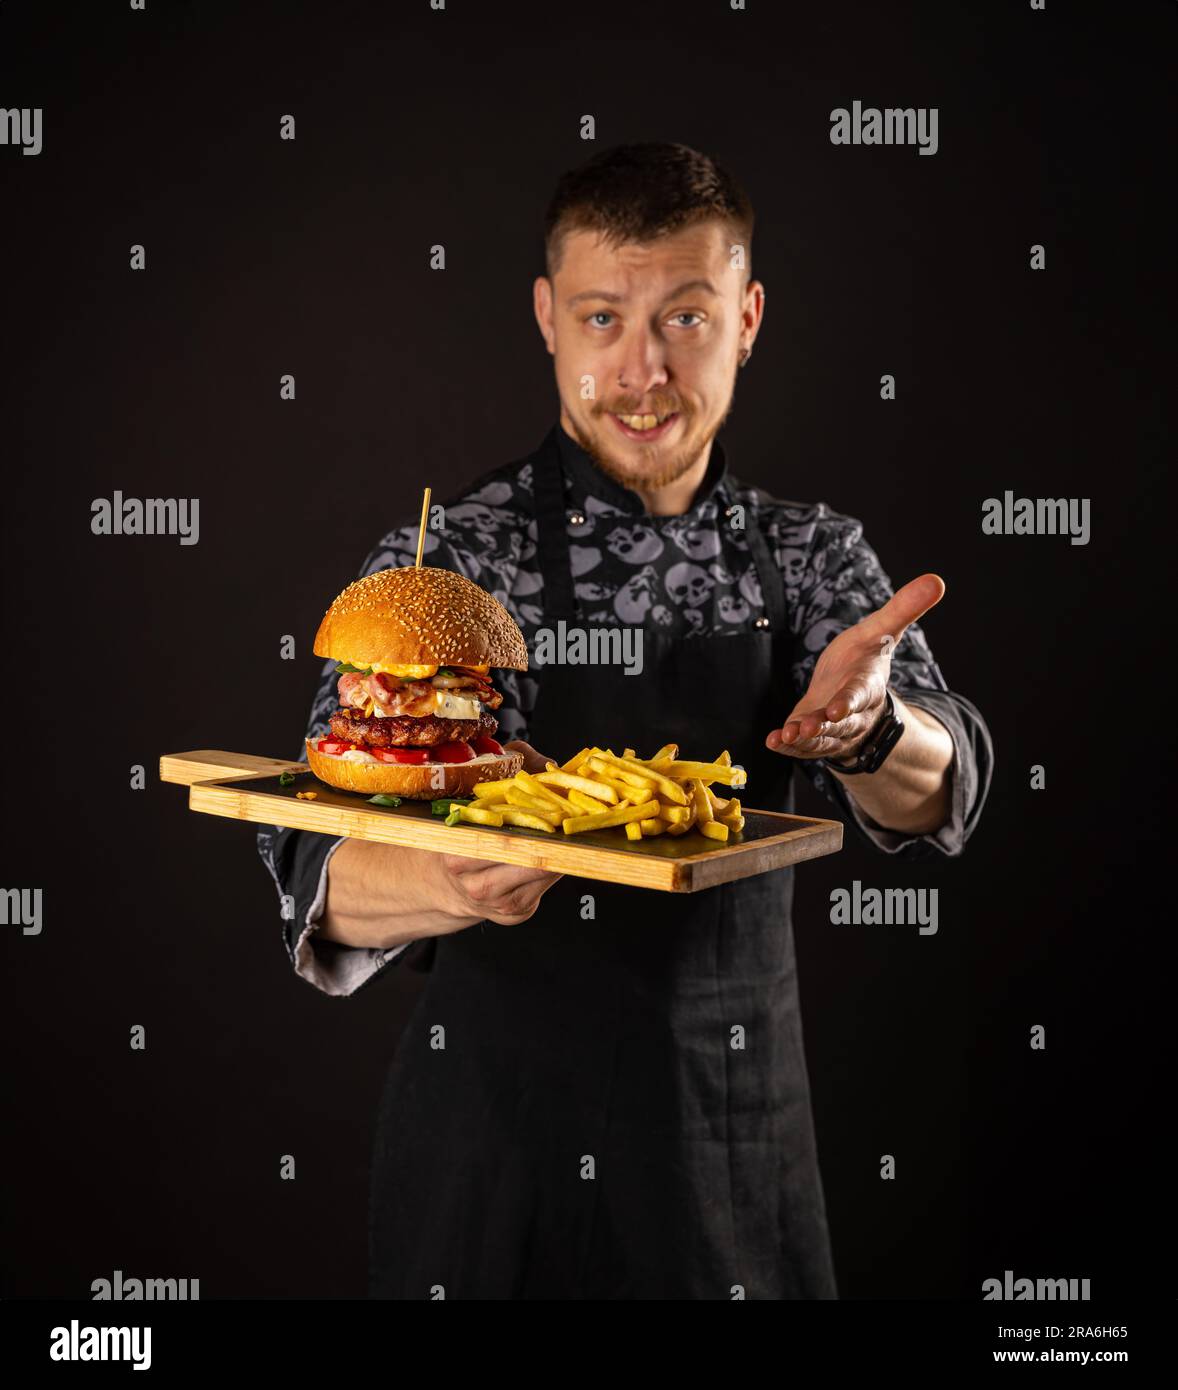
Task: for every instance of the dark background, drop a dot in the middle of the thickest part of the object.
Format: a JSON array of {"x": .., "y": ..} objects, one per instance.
[{"x": 311, "y": 257}]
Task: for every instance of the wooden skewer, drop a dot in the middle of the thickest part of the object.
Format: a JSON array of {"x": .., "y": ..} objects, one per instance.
[{"x": 421, "y": 528}]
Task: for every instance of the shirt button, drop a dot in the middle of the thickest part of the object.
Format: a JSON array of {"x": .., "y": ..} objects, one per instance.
[{"x": 761, "y": 622}]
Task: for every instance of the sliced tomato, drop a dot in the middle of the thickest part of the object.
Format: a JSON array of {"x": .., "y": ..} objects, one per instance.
[
  {"x": 334, "y": 745},
  {"x": 400, "y": 755},
  {"x": 459, "y": 752},
  {"x": 484, "y": 743}
]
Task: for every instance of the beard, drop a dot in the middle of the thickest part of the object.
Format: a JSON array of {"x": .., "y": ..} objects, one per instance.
[{"x": 660, "y": 472}]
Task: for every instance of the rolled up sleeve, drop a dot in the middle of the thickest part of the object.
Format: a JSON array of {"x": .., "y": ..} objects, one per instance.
[
  {"x": 298, "y": 860},
  {"x": 969, "y": 776},
  {"x": 843, "y": 582}
]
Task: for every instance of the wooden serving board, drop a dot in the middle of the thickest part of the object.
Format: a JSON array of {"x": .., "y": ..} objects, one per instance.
[{"x": 245, "y": 787}]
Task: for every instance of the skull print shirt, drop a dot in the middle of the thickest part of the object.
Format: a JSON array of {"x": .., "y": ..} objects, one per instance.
[{"x": 691, "y": 574}]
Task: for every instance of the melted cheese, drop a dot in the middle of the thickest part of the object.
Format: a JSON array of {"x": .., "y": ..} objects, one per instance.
[
  {"x": 407, "y": 673},
  {"x": 455, "y": 706},
  {"x": 447, "y": 705}
]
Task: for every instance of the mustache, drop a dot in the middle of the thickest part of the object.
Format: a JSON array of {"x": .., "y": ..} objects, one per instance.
[{"x": 657, "y": 407}]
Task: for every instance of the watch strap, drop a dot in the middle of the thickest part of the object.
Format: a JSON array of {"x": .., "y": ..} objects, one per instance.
[{"x": 872, "y": 753}]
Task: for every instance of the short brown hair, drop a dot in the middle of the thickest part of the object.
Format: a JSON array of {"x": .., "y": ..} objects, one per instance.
[{"x": 635, "y": 193}]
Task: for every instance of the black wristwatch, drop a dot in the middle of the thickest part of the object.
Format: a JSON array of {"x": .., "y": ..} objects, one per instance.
[{"x": 873, "y": 751}]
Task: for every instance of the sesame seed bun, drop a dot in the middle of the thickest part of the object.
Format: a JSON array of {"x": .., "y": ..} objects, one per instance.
[
  {"x": 415, "y": 781},
  {"x": 420, "y": 616}
]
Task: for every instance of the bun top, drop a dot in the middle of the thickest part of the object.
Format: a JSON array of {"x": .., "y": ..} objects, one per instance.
[{"x": 419, "y": 615}]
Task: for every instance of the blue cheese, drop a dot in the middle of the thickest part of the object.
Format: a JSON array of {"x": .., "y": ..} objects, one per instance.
[
  {"x": 451, "y": 706},
  {"x": 447, "y": 705}
]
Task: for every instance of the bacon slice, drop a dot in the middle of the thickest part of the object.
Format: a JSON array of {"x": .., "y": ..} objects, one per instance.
[
  {"x": 474, "y": 683},
  {"x": 351, "y": 688},
  {"x": 411, "y": 698},
  {"x": 400, "y": 697}
]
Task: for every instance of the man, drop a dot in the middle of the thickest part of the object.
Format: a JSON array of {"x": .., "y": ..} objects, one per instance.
[{"x": 611, "y": 1101}]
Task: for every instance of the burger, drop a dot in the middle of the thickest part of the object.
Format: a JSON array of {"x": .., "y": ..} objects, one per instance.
[{"x": 414, "y": 649}]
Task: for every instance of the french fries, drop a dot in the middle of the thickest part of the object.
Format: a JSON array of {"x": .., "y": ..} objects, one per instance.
[
  {"x": 585, "y": 785},
  {"x": 708, "y": 772},
  {"x": 604, "y": 819},
  {"x": 525, "y": 801},
  {"x": 630, "y": 770},
  {"x": 476, "y": 815},
  {"x": 508, "y": 814},
  {"x": 513, "y": 816},
  {"x": 490, "y": 790},
  {"x": 598, "y": 789},
  {"x": 622, "y": 790},
  {"x": 544, "y": 794}
]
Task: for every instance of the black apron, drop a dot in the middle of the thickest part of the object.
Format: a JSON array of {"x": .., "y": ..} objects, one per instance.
[{"x": 592, "y": 1127}]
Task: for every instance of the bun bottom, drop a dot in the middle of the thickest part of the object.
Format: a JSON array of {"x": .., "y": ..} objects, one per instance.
[{"x": 414, "y": 781}]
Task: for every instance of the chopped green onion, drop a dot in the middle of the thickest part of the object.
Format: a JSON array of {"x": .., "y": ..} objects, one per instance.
[
  {"x": 445, "y": 804},
  {"x": 285, "y": 779},
  {"x": 385, "y": 799}
]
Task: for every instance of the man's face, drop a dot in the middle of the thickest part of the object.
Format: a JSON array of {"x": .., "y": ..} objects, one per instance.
[{"x": 649, "y": 330}]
